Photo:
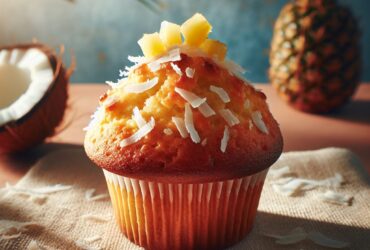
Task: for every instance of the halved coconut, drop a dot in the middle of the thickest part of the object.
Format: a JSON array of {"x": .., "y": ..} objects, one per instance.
[{"x": 33, "y": 95}]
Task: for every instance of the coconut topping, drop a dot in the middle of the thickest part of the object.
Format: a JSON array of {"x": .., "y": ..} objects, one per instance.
[
  {"x": 221, "y": 93},
  {"x": 280, "y": 172},
  {"x": 38, "y": 191},
  {"x": 189, "y": 124},
  {"x": 137, "y": 59},
  {"x": 141, "y": 87},
  {"x": 138, "y": 118},
  {"x": 204, "y": 142},
  {"x": 81, "y": 244},
  {"x": 95, "y": 118},
  {"x": 247, "y": 104},
  {"x": 299, "y": 234},
  {"x": 225, "y": 139},
  {"x": 334, "y": 197},
  {"x": 167, "y": 131},
  {"x": 292, "y": 186},
  {"x": 171, "y": 56},
  {"x": 13, "y": 229},
  {"x": 189, "y": 72},
  {"x": 258, "y": 121},
  {"x": 36, "y": 195},
  {"x": 89, "y": 195},
  {"x": 229, "y": 117},
  {"x": 250, "y": 125},
  {"x": 10, "y": 237},
  {"x": 33, "y": 245},
  {"x": 180, "y": 125},
  {"x": 206, "y": 110},
  {"x": 95, "y": 218},
  {"x": 176, "y": 69},
  {"x": 143, "y": 131},
  {"x": 93, "y": 239},
  {"x": 194, "y": 100}
]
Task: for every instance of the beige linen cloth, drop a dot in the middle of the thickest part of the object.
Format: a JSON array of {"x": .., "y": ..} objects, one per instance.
[{"x": 62, "y": 214}]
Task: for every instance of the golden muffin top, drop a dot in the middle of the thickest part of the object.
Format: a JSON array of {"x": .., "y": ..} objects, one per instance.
[{"x": 183, "y": 110}]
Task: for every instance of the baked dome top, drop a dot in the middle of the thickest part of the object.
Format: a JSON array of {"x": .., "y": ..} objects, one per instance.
[{"x": 183, "y": 115}]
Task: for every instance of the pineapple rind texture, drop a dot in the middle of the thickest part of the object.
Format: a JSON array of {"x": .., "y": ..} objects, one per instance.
[{"x": 315, "y": 55}]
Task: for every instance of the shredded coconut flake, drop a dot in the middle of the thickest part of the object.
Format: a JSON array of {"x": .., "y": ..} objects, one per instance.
[
  {"x": 38, "y": 191},
  {"x": 293, "y": 186},
  {"x": 10, "y": 237},
  {"x": 206, "y": 110},
  {"x": 180, "y": 125},
  {"x": 89, "y": 195},
  {"x": 189, "y": 124},
  {"x": 137, "y": 59},
  {"x": 299, "y": 234},
  {"x": 95, "y": 218},
  {"x": 233, "y": 67},
  {"x": 167, "y": 131},
  {"x": 141, "y": 87},
  {"x": 83, "y": 245},
  {"x": 229, "y": 117},
  {"x": 335, "y": 198},
  {"x": 33, "y": 245},
  {"x": 189, "y": 72},
  {"x": 93, "y": 239},
  {"x": 176, "y": 69},
  {"x": 296, "y": 235},
  {"x": 194, "y": 100},
  {"x": 143, "y": 131},
  {"x": 280, "y": 172},
  {"x": 258, "y": 121},
  {"x": 171, "y": 56},
  {"x": 204, "y": 142},
  {"x": 247, "y": 104},
  {"x": 12, "y": 229},
  {"x": 250, "y": 124},
  {"x": 221, "y": 93},
  {"x": 112, "y": 84},
  {"x": 225, "y": 139},
  {"x": 110, "y": 101},
  {"x": 123, "y": 73},
  {"x": 137, "y": 117},
  {"x": 323, "y": 240},
  {"x": 95, "y": 118}
]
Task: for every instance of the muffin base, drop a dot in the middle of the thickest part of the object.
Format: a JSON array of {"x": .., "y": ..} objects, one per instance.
[{"x": 210, "y": 215}]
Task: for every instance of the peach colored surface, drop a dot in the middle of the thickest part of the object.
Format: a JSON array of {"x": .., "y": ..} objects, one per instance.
[{"x": 348, "y": 128}]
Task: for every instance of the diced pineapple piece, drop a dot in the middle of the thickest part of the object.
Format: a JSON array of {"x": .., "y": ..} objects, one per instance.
[
  {"x": 170, "y": 34},
  {"x": 214, "y": 48},
  {"x": 152, "y": 45},
  {"x": 195, "y": 30}
]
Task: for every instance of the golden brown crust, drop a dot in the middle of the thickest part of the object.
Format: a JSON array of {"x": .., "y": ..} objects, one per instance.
[{"x": 171, "y": 158}]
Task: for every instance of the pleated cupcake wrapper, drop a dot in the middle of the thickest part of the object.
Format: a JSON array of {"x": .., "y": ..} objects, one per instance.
[{"x": 185, "y": 216}]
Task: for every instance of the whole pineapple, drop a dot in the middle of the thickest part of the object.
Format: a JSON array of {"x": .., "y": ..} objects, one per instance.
[{"x": 315, "y": 55}]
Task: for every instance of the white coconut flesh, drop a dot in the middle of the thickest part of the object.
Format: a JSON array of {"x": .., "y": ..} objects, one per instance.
[{"x": 25, "y": 77}]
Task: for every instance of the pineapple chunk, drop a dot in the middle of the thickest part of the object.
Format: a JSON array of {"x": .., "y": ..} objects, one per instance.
[
  {"x": 195, "y": 30},
  {"x": 214, "y": 48},
  {"x": 152, "y": 45},
  {"x": 170, "y": 34}
]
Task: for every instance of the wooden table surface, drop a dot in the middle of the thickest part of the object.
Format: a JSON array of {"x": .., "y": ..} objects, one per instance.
[{"x": 348, "y": 128}]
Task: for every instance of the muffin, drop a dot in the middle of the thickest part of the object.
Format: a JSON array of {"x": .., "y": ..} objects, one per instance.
[{"x": 184, "y": 142}]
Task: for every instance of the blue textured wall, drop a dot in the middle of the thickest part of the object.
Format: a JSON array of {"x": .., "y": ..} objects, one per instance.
[{"x": 103, "y": 32}]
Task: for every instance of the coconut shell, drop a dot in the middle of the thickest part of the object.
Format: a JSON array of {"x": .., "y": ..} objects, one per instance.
[{"x": 40, "y": 122}]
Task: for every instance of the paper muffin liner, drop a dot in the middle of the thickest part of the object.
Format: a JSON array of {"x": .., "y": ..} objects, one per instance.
[{"x": 185, "y": 216}]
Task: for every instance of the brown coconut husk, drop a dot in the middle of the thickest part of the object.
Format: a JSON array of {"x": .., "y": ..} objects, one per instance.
[{"x": 40, "y": 122}]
